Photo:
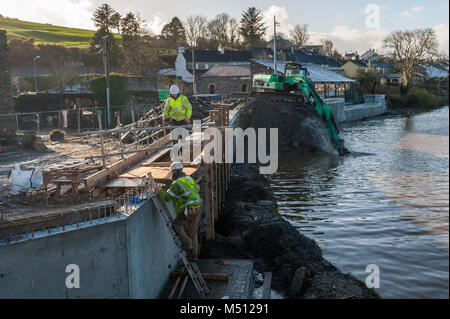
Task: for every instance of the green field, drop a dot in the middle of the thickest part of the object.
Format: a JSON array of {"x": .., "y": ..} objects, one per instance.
[{"x": 47, "y": 33}]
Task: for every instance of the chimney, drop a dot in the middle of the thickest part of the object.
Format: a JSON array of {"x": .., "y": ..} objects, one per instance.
[
  {"x": 181, "y": 50},
  {"x": 222, "y": 49},
  {"x": 292, "y": 50}
]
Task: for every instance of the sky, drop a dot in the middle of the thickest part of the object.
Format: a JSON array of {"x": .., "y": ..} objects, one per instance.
[{"x": 352, "y": 25}]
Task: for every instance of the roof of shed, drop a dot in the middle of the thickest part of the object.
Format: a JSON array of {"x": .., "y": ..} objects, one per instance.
[
  {"x": 228, "y": 71},
  {"x": 317, "y": 73},
  {"x": 216, "y": 56}
]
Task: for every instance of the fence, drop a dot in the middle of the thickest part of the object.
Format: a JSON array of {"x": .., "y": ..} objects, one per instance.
[{"x": 77, "y": 119}]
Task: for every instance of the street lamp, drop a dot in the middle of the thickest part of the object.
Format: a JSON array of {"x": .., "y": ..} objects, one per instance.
[{"x": 35, "y": 75}]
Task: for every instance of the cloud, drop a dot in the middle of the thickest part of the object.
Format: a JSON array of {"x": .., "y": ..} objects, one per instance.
[
  {"x": 157, "y": 22},
  {"x": 442, "y": 33},
  {"x": 281, "y": 16},
  {"x": 412, "y": 13},
  {"x": 69, "y": 13},
  {"x": 347, "y": 39}
]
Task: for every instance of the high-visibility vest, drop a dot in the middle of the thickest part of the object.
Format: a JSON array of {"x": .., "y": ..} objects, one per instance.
[
  {"x": 179, "y": 109},
  {"x": 184, "y": 193}
]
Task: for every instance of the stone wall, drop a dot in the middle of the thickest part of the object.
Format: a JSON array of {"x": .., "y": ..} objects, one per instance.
[
  {"x": 6, "y": 101},
  {"x": 224, "y": 85}
]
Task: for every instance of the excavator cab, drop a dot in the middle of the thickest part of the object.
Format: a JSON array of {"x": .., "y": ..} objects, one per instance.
[{"x": 294, "y": 69}]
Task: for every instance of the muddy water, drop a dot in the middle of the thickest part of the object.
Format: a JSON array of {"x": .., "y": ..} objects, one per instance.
[{"x": 388, "y": 205}]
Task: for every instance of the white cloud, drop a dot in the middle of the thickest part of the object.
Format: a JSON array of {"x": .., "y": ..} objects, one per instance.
[
  {"x": 281, "y": 16},
  {"x": 157, "y": 22},
  {"x": 69, "y": 13},
  {"x": 412, "y": 13},
  {"x": 347, "y": 39},
  {"x": 442, "y": 33}
]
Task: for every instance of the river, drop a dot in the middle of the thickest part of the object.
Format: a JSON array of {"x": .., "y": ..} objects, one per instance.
[{"x": 387, "y": 204}]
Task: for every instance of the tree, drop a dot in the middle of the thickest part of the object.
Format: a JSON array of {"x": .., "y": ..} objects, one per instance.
[
  {"x": 196, "y": 28},
  {"x": 105, "y": 19},
  {"x": 367, "y": 81},
  {"x": 174, "y": 32},
  {"x": 328, "y": 47},
  {"x": 196, "y": 31},
  {"x": 233, "y": 33},
  {"x": 130, "y": 29},
  {"x": 218, "y": 30},
  {"x": 299, "y": 35},
  {"x": 410, "y": 49},
  {"x": 252, "y": 27}
]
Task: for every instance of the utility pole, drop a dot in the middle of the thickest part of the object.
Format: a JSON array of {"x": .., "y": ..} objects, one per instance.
[
  {"x": 275, "y": 23},
  {"x": 108, "y": 84},
  {"x": 194, "y": 86},
  {"x": 35, "y": 73}
]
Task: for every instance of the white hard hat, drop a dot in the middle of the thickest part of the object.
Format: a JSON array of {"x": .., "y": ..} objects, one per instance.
[
  {"x": 174, "y": 90},
  {"x": 176, "y": 165}
]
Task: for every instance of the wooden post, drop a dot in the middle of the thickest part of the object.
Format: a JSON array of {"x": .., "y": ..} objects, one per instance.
[
  {"x": 132, "y": 116},
  {"x": 103, "y": 151},
  {"x": 99, "y": 122},
  {"x": 208, "y": 203}
]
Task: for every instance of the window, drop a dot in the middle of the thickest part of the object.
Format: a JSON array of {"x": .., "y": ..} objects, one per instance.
[
  {"x": 244, "y": 88},
  {"x": 212, "y": 89}
]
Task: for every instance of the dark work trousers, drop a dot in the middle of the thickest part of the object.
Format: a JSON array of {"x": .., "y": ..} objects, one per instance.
[{"x": 186, "y": 228}]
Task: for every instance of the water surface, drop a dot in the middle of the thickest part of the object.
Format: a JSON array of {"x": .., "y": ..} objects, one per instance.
[{"x": 388, "y": 205}]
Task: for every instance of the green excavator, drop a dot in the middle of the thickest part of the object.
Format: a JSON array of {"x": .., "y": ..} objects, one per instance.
[{"x": 295, "y": 86}]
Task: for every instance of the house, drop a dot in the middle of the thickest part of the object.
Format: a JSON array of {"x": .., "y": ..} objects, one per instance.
[
  {"x": 205, "y": 60},
  {"x": 351, "y": 56},
  {"x": 226, "y": 79},
  {"x": 317, "y": 48},
  {"x": 352, "y": 67}
]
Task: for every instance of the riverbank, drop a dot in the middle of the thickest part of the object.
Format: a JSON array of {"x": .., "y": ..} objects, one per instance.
[{"x": 251, "y": 228}]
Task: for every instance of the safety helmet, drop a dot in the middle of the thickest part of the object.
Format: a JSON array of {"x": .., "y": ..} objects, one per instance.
[
  {"x": 174, "y": 90},
  {"x": 176, "y": 166}
]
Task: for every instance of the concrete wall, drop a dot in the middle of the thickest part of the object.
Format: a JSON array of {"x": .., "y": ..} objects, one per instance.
[
  {"x": 338, "y": 107},
  {"x": 151, "y": 253},
  {"x": 129, "y": 257},
  {"x": 141, "y": 83},
  {"x": 374, "y": 105}
]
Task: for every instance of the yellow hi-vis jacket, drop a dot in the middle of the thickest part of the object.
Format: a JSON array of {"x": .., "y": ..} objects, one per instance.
[
  {"x": 179, "y": 109},
  {"x": 183, "y": 192}
]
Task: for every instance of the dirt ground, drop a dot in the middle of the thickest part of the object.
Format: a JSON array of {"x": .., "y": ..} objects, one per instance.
[{"x": 72, "y": 150}]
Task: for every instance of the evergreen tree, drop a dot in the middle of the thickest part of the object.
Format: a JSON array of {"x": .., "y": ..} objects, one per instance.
[
  {"x": 174, "y": 32},
  {"x": 252, "y": 27},
  {"x": 105, "y": 19}
]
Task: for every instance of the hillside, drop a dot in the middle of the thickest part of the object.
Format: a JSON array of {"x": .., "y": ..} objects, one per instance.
[{"x": 47, "y": 33}]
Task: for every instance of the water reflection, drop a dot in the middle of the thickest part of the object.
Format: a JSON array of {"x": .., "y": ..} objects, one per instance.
[{"x": 390, "y": 208}]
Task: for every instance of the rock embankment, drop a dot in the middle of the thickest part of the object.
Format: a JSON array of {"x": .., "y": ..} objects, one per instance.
[{"x": 250, "y": 227}]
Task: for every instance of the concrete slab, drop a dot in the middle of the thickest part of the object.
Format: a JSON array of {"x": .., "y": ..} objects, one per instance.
[{"x": 239, "y": 285}]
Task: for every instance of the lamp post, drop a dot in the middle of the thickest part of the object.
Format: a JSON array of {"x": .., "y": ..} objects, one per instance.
[{"x": 35, "y": 75}]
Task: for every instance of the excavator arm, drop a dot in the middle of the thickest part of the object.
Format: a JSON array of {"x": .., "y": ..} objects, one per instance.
[{"x": 324, "y": 110}]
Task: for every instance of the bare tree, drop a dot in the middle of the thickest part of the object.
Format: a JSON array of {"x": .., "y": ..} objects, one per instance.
[
  {"x": 410, "y": 49},
  {"x": 218, "y": 29},
  {"x": 196, "y": 28},
  {"x": 328, "y": 47},
  {"x": 234, "y": 35},
  {"x": 299, "y": 35}
]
